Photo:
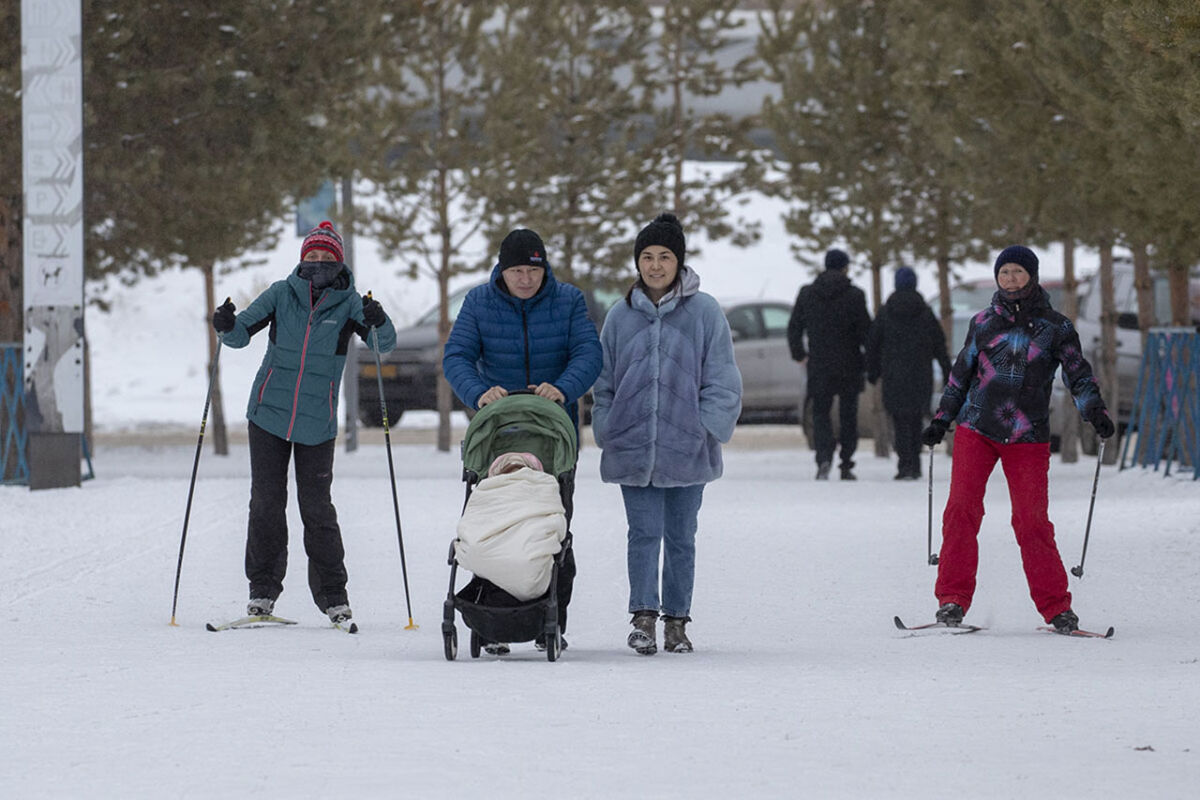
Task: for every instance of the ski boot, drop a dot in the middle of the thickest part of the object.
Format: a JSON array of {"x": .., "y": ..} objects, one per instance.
[{"x": 950, "y": 614}]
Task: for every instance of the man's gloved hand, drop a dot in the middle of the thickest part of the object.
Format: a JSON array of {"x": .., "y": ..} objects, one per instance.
[
  {"x": 373, "y": 315},
  {"x": 223, "y": 317},
  {"x": 1102, "y": 423},
  {"x": 934, "y": 434}
]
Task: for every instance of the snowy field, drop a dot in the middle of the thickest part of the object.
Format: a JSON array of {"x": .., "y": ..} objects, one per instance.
[{"x": 799, "y": 687}]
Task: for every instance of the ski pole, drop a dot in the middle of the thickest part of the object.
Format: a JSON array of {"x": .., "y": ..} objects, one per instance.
[
  {"x": 1078, "y": 571},
  {"x": 187, "y": 513},
  {"x": 933, "y": 559},
  {"x": 387, "y": 438}
]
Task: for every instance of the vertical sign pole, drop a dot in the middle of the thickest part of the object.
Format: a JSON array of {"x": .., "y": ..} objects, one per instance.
[{"x": 52, "y": 147}]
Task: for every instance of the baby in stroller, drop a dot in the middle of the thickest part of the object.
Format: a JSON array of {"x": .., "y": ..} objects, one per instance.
[
  {"x": 519, "y": 456},
  {"x": 512, "y": 526}
]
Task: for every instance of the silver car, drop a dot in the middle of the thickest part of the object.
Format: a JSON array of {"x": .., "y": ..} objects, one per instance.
[{"x": 773, "y": 385}]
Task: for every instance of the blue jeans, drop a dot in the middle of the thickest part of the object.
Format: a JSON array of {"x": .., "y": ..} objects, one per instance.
[{"x": 666, "y": 516}]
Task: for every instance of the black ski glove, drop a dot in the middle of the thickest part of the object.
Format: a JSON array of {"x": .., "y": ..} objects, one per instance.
[
  {"x": 934, "y": 434},
  {"x": 373, "y": 316},
  {"x": 223, "y": 317},
  {"x": 1102, "y": 423}
]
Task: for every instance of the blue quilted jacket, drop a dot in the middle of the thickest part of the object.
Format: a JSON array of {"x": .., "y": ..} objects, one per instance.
[
  {"x": 295, "y": 393},
  {"x": 501, "y": 340},
  {"x": 670, "y": 391}
]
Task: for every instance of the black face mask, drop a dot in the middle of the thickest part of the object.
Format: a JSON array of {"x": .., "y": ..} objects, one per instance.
[{"x": 321, "y": 274}]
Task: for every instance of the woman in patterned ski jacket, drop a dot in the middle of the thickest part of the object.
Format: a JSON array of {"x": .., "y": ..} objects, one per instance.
[{"x": 999, "y": 396}]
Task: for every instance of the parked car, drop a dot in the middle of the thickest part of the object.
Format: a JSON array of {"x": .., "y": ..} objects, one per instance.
[
  {"x": 773, "y": 384},
  {"x": 410, "y": 372},
  {"x": 967, "y": 299},
  {"x": 774, "y": 387},
  {"x": 1129, "y": 337}
]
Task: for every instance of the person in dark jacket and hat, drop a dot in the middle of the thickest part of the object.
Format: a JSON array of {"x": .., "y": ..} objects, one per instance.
[
  {"x": 310, "y": 318},
  {"x": 999, "y": 397},
  {"x": 904, "y": 341},
  {"x": 831, "y": 313},
  {"x": 524, "y": 330}
]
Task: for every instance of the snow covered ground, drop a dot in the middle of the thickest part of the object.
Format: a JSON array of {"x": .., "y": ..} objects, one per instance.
[{"x": 799, "y": 687}]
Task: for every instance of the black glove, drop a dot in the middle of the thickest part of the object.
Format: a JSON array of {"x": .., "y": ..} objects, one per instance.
[
  {"x": 223, "y": 317},
  {"x": 934, "y": 434},
  {"x": 1102, "y": 423},
  {"x": 373, "y": 316}
]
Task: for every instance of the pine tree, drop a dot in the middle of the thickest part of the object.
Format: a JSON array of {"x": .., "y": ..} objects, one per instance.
[
  {"x": 683, "y": 72},
  {"x": 423, "y": 146},
  {"x": 568, "y": 120}
]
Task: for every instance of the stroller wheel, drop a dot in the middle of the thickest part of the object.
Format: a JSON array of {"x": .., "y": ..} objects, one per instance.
[
  {"x": 476, "y": 645},
  {"x": 553, "y": 645},
  {"x": 450, "y": 642}
]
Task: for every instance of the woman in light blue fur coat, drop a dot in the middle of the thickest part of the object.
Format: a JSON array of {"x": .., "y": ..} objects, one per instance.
[{"x": 668, "y": 394}]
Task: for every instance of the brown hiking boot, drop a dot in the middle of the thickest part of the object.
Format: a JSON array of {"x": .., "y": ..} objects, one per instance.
[
  {"x": 675, "y": 639},
  {"x": 643, "y": 637}
]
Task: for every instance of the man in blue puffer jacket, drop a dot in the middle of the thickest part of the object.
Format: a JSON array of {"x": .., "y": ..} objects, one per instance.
[
  {"x": 310, "y": 318},
  {"x": 524, "y": 330}
]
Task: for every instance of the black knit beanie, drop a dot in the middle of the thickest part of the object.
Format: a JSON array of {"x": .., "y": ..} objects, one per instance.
[
  {"x": 836, "y": 259},
  {"x": 1017, "y": 254},
  {"x": 522, "y": 247},
  {"x": 664, "y": 231}
]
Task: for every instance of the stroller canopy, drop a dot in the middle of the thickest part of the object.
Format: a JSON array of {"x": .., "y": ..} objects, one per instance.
[{"x": 520, "y": 423}]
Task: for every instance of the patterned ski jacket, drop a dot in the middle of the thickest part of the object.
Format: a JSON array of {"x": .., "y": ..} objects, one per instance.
[
  {"x": 1001, "y": 381},
  {"x": 295, "y": 393},
  {"x": 501, "y": 340},
  {"x": 670, "y": 391}
]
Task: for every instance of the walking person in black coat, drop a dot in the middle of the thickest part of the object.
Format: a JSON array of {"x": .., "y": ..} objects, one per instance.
[
  {"x": 904, "y": 341},
  {"x": 831, "y": 313}
]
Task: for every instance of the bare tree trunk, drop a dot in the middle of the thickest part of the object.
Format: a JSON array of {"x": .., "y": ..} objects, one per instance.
[
  {"x": 881, "y": 421},
  {"x": 1108, "y": 341},
  {"x": 1144, "y": 284},
  {"x": 351, "y": 370},
  {"x": 945, "y": 308},
  {"x": 1177, "y": 279},
  {"x": 1069, "y": 444},
  {"x": 444, "y": 399},
  {"x": 220, "y": 437},
  {"x": 12, "y": 303}
]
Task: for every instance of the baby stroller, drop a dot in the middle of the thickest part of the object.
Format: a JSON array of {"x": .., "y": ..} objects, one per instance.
[{"x": 521, "y": 422}]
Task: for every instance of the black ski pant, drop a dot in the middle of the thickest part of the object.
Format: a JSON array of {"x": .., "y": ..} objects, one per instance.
[
  {"x": 267, "y": 534},
  {"x": 907, "y": 426},
  {"x": 821, "y": 391}
]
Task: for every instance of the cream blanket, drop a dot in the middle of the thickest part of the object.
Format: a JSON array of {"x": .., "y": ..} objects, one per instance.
[{"x": 510, "y": 530}]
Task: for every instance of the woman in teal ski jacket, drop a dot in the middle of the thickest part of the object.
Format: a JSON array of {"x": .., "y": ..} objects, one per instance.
[{"x": 310, "y": 318}]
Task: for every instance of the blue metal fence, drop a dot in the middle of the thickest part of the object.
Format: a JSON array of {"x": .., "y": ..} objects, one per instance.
[
  {"x": 14, "y": 468},
  {"x": 1164, "y": 424}
]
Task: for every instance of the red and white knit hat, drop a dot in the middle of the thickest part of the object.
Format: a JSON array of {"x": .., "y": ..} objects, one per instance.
[{"x": 323, "y": 237}]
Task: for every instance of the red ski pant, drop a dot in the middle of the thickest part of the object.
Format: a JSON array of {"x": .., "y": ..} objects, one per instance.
[{"x": 1026, "y": 467}]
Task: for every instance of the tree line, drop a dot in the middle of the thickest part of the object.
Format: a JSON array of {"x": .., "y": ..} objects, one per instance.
[{"x": 904, "y": 131}]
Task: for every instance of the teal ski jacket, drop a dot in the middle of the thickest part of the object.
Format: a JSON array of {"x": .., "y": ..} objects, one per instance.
[{"x": 295, "y": 393}]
